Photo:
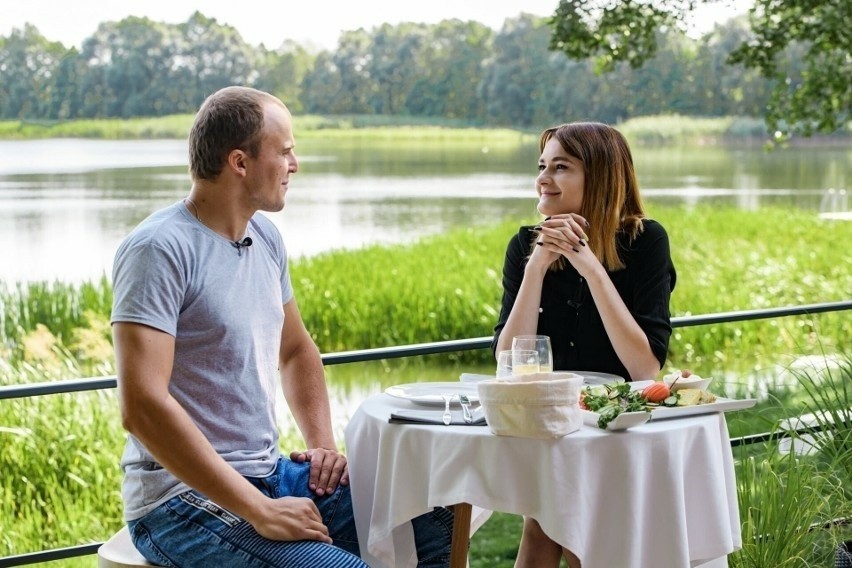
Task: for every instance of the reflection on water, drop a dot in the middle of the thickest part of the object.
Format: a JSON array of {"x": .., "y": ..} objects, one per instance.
[{"x": 66, "y": 204}]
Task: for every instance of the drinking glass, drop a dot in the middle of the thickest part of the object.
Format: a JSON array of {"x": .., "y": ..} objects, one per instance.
[
  {"x": 504, "y": 363},
  {"x": 541, "y": 345},
  {"x": 525, "y": 361}
]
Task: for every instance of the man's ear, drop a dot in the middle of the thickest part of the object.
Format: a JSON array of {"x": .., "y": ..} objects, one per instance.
[{"x": 238, "y": 162}]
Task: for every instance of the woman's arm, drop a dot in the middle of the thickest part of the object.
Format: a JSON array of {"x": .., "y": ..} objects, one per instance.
[
  {"x": 523, "y": 317},
  {"x": 627, "y": 338},
  {"x": 631, "y": 345}
]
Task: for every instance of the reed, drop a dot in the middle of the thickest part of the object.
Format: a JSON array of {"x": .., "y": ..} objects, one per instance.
[
  {"x": 726, "y": 260},
  {"x": 58, "y": 454},
  {"x": 788, "y": 499},
  {"x": 449, "y": 287}
]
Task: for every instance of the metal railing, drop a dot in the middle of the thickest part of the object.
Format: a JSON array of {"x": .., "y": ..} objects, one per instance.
[{"x": 363, "y": 355}]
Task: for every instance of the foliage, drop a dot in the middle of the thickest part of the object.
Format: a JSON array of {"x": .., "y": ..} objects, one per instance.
[
  {"x": 803, "y": 47},
  {"x": 788, "y": 499},
  {"x": 453, "y": 70},
  {"x": 58, "y": 453},
  {"x": 727, "y": 260},
  {"x": 813, "y": 91}
]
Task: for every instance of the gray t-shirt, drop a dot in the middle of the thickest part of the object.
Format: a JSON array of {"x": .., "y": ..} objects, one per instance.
[{"x": 224, "y": 306}]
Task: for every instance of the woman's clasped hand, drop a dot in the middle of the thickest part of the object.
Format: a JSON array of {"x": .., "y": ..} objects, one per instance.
[{"x": 562, "y": 235}]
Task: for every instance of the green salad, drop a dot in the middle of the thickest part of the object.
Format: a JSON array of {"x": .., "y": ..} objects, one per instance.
[{"x": 611, "y": 400}]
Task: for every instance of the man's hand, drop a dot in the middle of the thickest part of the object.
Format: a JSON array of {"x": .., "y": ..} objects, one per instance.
[
  {"x": 289, "y": 519},
  {"x": 328, "y": 469}
]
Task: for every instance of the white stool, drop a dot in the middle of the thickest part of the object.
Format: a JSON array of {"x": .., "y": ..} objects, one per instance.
[{"x": 119, "y": 552}]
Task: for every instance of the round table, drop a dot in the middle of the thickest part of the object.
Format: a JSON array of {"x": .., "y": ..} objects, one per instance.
[{"x": 662, "y": 494}]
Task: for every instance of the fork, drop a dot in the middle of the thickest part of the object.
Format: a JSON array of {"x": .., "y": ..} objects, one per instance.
[
  {"x": 448, "y": 417},
  {"x": 465, "y": 404}
]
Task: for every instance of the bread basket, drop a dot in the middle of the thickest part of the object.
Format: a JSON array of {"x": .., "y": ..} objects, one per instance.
[{"x": 539, "y": 405}]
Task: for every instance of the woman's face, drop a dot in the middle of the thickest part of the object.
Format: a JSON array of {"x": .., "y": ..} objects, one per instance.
[{"x": 560, "y": 181}]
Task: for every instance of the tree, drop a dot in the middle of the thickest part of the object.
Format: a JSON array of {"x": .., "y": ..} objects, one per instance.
[
  {"x": 283, "y": 71},
  {"x": 514, "y": 85},
  {"x": 450, "y": 71},
  {"x": 28, "y": 63},
  {"x": 816, "y": 97},
  {"x": 394, "y": 62}
]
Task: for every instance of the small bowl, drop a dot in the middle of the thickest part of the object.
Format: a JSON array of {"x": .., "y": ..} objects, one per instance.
[{"x": 690, "y": 382}]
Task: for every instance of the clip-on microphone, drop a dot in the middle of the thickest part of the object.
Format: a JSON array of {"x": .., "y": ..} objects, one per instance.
[{"x": 239, "y": 245}]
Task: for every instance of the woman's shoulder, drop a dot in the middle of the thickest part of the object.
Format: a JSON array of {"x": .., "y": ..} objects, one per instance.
[
  {"x": 652, "y": 232},
  {"x": 652, "y": 227}
]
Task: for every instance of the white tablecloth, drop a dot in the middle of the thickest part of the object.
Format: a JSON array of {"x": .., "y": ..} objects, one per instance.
[{"x": 658, "y": 495}]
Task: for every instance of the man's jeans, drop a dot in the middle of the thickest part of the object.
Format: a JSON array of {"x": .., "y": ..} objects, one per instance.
[{"x": 190, "y": 530}]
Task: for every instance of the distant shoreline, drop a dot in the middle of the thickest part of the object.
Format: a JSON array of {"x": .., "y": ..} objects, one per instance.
[{"x": 649, "y": 130}]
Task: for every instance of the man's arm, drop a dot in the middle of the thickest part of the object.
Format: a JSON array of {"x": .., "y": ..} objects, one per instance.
[
  {"x": 303, "y": 383},
  {"x": 144, "y": 357}
]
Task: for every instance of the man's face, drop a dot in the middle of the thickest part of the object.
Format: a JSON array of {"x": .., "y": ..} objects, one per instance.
[{"x": 269, "y": 173}]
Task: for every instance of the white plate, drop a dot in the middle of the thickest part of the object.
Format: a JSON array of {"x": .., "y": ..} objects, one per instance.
[
  {"x": 474, "y": 378},
  {"x": 721, "y": 405},
  {"x": 429, "y": 394},
  {"x": 628, "y": 419},
  {"x": 596, "y": 378},
  {"x": 621, "y": 422}
]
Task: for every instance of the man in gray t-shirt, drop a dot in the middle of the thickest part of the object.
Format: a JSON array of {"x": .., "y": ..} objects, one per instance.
[{"x": 205, "y": 324}]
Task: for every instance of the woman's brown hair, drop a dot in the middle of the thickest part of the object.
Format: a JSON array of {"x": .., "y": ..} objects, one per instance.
[{"x": 611, "y": 200}]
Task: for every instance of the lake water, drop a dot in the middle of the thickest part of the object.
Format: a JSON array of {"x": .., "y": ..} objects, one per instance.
[{"x": 66, "y": 204}]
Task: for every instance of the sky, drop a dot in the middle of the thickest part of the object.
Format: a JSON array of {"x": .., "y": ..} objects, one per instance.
[{"x": 261, "y": 21}]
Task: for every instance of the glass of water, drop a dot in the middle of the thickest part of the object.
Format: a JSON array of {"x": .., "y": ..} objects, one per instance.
[
  {"x": 525, "y": 361},
  {"x": 541, "y": 345},
  {"x": 504, "y": 364}
]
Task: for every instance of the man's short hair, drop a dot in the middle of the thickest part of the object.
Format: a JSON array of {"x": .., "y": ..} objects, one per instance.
[{"x": 229, "y": 119}]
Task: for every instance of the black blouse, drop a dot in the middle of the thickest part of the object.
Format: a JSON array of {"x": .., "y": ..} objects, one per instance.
[{"x": 569, "y": 316}]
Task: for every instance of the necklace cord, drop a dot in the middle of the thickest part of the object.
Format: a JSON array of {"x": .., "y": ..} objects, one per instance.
[{"x": 194, "y": 207}]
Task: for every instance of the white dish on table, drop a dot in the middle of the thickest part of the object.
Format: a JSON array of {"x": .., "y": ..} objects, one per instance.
[
  {"x": 628, "y": 419},
  {"x": 432, "y": 393},
  {"x": 474, "y": 378},
  {"x": 596, "y": 378},
  {"x": 623, "y": 421},
  {"x": 721, "y": 405},
  {"x": 690, "y": 382}
]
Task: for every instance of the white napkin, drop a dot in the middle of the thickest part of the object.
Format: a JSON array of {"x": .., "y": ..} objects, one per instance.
[{"x": 410, "y": 416}]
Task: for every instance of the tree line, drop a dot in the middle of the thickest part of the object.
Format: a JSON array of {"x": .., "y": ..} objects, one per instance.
[{"x": 453, "y": 70}]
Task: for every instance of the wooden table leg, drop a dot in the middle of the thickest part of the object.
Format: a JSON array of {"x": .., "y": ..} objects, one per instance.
[{"x": 461, "y": 535}]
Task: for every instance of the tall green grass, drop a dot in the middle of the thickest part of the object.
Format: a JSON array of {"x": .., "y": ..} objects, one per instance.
[
  {"x": 784, "y": 496},
  {"x": 58, "y": 454},
  {"x": 449, "y": 287}
]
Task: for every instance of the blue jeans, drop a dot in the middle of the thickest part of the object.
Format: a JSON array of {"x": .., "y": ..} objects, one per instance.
[{"x": 190, "y": 530}]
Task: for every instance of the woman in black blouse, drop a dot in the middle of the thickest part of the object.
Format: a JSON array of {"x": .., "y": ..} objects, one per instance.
[{"x": 596, "y": 275}]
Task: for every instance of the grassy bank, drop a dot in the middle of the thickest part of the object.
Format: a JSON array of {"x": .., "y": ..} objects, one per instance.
[
  {"x": 58, "y": 454},
  {"x": 449, "y": 287},
  {"x": 647, "y": 130}
]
